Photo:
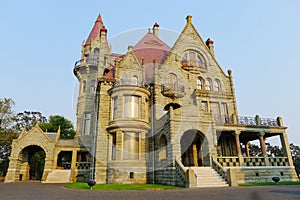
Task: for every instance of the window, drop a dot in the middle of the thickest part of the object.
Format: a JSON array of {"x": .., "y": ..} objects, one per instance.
[
  {"x": 113, "y": 146},
  {"x": 200, "y": 82},
  {"x": 93, "y": 85},
  {"x": 224, "y": 109},
  {"x": 217, "y": 85},
  {"x": 131, "y": 146},
  {"x": 208, "y": 84},
  {"x": 132, "y": 106},
  {"x": 96, "y": 56},
  {"x": 163, "y": 148},
  {"x": 172, "y": 81},
  {"x": 115, "y": 107},
  {"x": 204, "y": 106},
  {"x": 86, "y": 123},
  {"x": 134, "y": 80},
  {"x": 124, "y": 80},
  {"x": 83, "y": 86},
  {"x": 193, "y": 59},
  {"x": 215, "y": 109}
]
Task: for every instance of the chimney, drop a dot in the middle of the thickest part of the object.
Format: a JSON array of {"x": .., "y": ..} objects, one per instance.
[
  {"x": 156, "y": 29},
  {"x": 210, "y": 45}
]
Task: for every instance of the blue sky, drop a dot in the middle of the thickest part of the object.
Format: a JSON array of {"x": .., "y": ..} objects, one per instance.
[{"x": 258, "y": 40}]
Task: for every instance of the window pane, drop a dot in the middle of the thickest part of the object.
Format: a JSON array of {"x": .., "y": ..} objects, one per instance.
[
  {"x": 204, "y": 106},
  {"x": 215, "y": 108},
  {"x": 113, "y": 145},
  {"x": 131, "y": 146},
  {"x": 86, "y": 123},
  {"x": 131, "y": 106},
  {"x": 208, "y": 84},
  {"x": 199, "y": 84},
  {"x": 115, "y": 108}
]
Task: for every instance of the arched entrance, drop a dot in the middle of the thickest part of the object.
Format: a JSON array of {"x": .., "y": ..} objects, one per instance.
[
  {"x": 194, "y": 149},
  {"x": 32, "y": 163},
  {"x": 64, "y": 159}
]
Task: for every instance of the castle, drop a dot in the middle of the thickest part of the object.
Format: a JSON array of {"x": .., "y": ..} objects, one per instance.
[{"x": 156, "y": 114}]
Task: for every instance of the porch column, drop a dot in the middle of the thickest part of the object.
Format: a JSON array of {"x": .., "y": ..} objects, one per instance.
[
  {"x": 247, "y": 149},
  {"x": 286, "y": 148},
  {"x": 263, "y": 147},
  {"x": 238, "y": 147},
  {"x": 73, "y": 166},
  {"x": 195, "y": 155}
]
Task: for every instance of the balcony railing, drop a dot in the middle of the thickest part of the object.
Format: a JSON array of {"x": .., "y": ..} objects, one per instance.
[
  {"x": 173, "y": 90},
  {"x": 202, "y": 92},
  {"x": 91, "y": 61},
  {"x": 130, "y": 82},
  {"x": 251, "y": 121}
]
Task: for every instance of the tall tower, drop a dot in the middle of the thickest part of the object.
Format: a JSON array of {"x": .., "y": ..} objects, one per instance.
[{"x": 88, "y": 70}]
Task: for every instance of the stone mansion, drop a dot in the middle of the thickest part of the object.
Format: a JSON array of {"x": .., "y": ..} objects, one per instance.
[{"x": 156, "y": 114}]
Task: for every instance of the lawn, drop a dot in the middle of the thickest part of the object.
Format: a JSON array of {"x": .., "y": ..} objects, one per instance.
[
  {"x": 270, "y": 183},
  {"x": 84, "y": 186}
]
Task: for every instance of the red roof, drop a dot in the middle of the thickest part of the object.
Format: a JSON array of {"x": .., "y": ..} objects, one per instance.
[
  {"x": 95, "y": 30},
  {"x": 148, "y": 49}
]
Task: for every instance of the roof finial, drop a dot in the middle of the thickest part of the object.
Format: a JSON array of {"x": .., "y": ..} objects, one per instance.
[
  {"x": 99, "y": 19},
  {"x": 189, "y": 19}
]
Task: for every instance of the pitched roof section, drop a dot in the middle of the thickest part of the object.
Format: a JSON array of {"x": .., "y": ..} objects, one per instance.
[
  {"x": 149, "y": 48},
  {"x": 95, "y": 30}
]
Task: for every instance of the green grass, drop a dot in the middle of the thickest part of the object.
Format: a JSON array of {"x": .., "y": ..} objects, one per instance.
[
  {"x": 84, "y": 186},
  {"x": 270, "y": 183}
]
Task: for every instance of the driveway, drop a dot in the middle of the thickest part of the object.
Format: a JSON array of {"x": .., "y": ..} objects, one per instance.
[{"x": 35, "y": 190}]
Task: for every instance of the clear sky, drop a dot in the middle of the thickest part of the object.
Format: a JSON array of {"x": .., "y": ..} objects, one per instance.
[{"x": 259, "y": 40}]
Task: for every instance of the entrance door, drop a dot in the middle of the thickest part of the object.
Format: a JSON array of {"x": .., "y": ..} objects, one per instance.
[
  {"x": 192, "y": 149},
  {"x": 32, "y": 163}
]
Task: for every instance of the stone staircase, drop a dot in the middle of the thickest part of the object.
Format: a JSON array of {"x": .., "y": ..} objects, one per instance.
[
  {"x": 58, "y": 176},
  {"x": 208, "y": 177}
]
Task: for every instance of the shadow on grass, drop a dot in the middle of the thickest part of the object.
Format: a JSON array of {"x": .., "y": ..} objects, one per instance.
[{"x": 84, "y": 186}]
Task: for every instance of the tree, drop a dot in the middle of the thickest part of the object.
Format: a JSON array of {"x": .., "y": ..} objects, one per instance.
[
  {"x": 55, "y": 121},
  {"x": 28, "y": 118},
  {"x": 6, "y": 113},
  {"x": 295, "y": 151},
  {"x": 6, "y": 133}
]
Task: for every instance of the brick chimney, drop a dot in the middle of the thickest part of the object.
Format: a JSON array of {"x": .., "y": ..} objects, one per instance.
[
  {"x": 156, "y": 29},
  {"x": 210, "y": 45}
]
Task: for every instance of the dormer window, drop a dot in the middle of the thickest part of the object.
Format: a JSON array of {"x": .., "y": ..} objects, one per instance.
[{"x": 192, "y": 59}]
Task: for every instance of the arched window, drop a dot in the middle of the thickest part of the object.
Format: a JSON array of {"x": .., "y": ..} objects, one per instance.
[
  {"x": 217, "y": 85},
  {"x": 172, "y": 81},
  {"x": 95, "y": 56},
  {"x": 200, "y": 83},
  {"x": 124, "y": 80},
  {"x": 134, "y": 80},
  {"x": 83, "y": 86},
  {"x": 193, "y": 59},
  {"x": 208, "y": 84},
  {"x": 163, "y": 148},
  {"x": 93, "y": 85}
]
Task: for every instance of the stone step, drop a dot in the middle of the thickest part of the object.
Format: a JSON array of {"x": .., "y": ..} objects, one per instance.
[
  {"x": 58, "y": 176},
  {"x": 208, "y": 177}
]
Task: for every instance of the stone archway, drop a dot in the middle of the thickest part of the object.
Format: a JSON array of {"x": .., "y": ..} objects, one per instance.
[
  {"x": 32, "y": 162},
  {"x": 194, "y": 149}
]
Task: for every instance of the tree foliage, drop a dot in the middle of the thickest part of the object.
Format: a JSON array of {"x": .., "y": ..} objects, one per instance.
[
  {"x": 28, "y": 118},
  {"x": 56, "y": 121},
  {"x": 6, "y": 133},
  {"x": 6, "y": 113}
]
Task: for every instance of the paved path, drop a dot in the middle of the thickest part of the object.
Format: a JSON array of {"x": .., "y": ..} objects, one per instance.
[{"x": 31, "y": 190}]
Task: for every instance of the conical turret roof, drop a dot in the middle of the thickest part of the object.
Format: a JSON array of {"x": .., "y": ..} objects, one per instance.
[{"x": 95, "y": 30}]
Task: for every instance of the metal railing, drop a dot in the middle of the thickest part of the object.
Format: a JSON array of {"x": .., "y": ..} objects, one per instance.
[{"x": 130, "y": 82}]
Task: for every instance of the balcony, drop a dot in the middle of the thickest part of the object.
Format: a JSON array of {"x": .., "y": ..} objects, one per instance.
[
  {"x": 130, "y": 82},
  {"x": 250, "y": 121},
  {"x": 172, "y": 90},
  {"x": 207, "y": 93},
  {"x": 193, "y": 66}
]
